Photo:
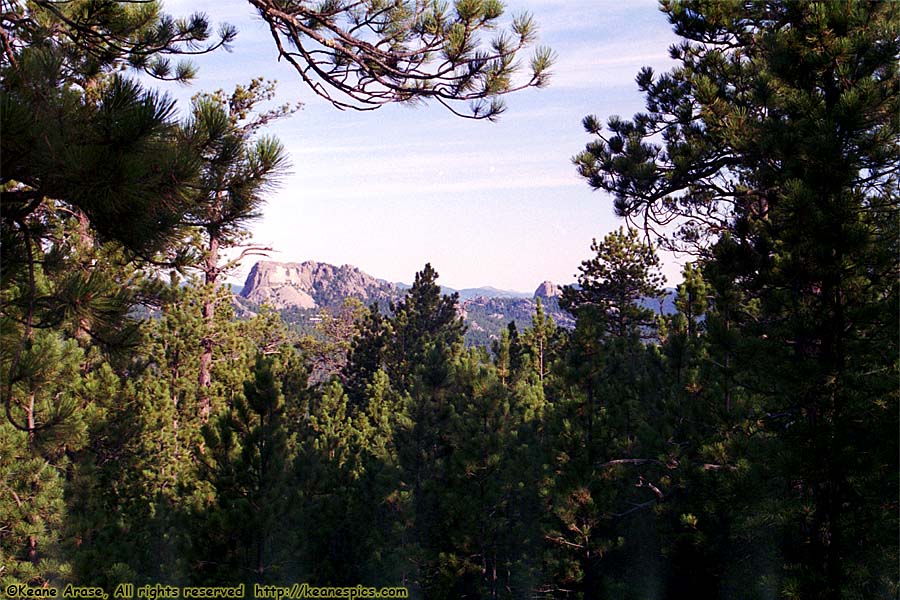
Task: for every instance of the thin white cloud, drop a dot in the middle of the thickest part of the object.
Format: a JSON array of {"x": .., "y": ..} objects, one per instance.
[
  {"x": 362, "y": 146},
  {"x": 216, "y": 10},
  {"x": 429, "y": 189},
  {"x": 566, "y": 16},
  {"x": 588, "y": 66}
]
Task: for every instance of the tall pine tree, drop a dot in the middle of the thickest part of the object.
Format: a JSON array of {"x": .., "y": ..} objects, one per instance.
[{"x": 774, "y": 145}]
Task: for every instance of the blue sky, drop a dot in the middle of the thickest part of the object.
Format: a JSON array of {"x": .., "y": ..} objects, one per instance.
[{"x": 486, "y": 203}]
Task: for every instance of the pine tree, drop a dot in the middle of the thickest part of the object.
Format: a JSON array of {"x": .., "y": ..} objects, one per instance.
[
  {"x": 491, "y": 491},
  {"x": 538, "y": 341},
  {"x": 367, "y": 353},
  {"x": 236, "y": 171},
  {"x": 700, "y": 532},
  {"x": 608, "y": 454},
  {"x": 331, "y": 343},
  {"x": 42, "y": 425},
  {"x": 124, "y": 519},
  {"x": 683, "y": 330},
  {"x": 329, "y": 468},
  {"x": 79, "y": 133},
  {"x": 425, "y": 328},
  {"x": 623, "y": 272},
  {"x": 502, "y": 360},
  {"x": 243, "y": 535},
  {"x": 778, "y": 160},
  {"x": 363, "y": 57}
]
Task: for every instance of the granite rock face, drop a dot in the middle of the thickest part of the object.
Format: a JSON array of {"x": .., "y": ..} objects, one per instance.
[
  {"x": 546, "y": 290},
  {"x": 312, "y": 284}
]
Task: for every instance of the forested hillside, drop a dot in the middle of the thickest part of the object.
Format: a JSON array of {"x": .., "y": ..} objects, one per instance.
[{"x": 743, "y": 445}]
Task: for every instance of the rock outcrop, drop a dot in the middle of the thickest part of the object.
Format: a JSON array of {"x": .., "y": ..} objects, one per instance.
[
  {"x": 546, "y": 290},
  {"x": 312, "y": 284}
]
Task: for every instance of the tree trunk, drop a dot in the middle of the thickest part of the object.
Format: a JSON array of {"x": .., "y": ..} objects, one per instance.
[
  {"x": 211, "y": 275},
  {"x": 83, "y": 328},
  {"x": 541, "y": 357},
  {"x": 33, "y": 555}
]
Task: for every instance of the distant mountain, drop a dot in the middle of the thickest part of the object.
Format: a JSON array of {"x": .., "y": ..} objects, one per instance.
[
  {"x": 301, "y": 290},
  {"x": 313, "y": 285},
  {"x": 485, "y": 292},
  {"x": 664, "y": 305},
  {"x": 486, "y": 317},
  {"x": 398, "y": 284},
  {"x": 467, "y": 293}
]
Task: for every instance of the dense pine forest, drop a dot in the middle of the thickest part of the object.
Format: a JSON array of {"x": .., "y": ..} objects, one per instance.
[{"x": 743, "y": 447}]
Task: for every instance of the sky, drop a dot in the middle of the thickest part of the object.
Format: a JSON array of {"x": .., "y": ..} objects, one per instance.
[{"x": 497, "y": 204}]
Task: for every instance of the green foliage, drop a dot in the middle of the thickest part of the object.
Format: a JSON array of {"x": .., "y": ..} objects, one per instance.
[
  {"x": 236, "y": 170},
  {"x": 33, "y": 511},
  {"x": 367, "y": 351},
  {"x": 538, "y": 342},
  {"x": 424, "y": 322},
  {"x": 123, "y": 521},
  {"x": 608, "y": 432},
  {"x": 244, "y": 459},
  {"x": 92, "y": 38},
  {"x": 364, "y": 55},
  {"x": 331, "y": 470},
  {"x": 743, "y": 447},
  {"x": 472, "y": 526},
  {"x": 774, "y": 147},
  {"x": 79, "y": 132},
  {"x": 423, "y": 330},
  {"x": 624, "y": 271}
]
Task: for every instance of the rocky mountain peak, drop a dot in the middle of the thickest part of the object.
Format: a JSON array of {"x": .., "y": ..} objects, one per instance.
[
  {"x": 548, "y": 289},
  {"x": 312, "y": 284}
]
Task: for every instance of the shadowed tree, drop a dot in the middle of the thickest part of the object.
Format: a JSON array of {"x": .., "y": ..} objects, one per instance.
[
  {"x": 608, "y": 435},
  {"x": 424, "y": 324},
  {"x": 243, "y": 535},
  {"x": 773, "y": 150}
]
